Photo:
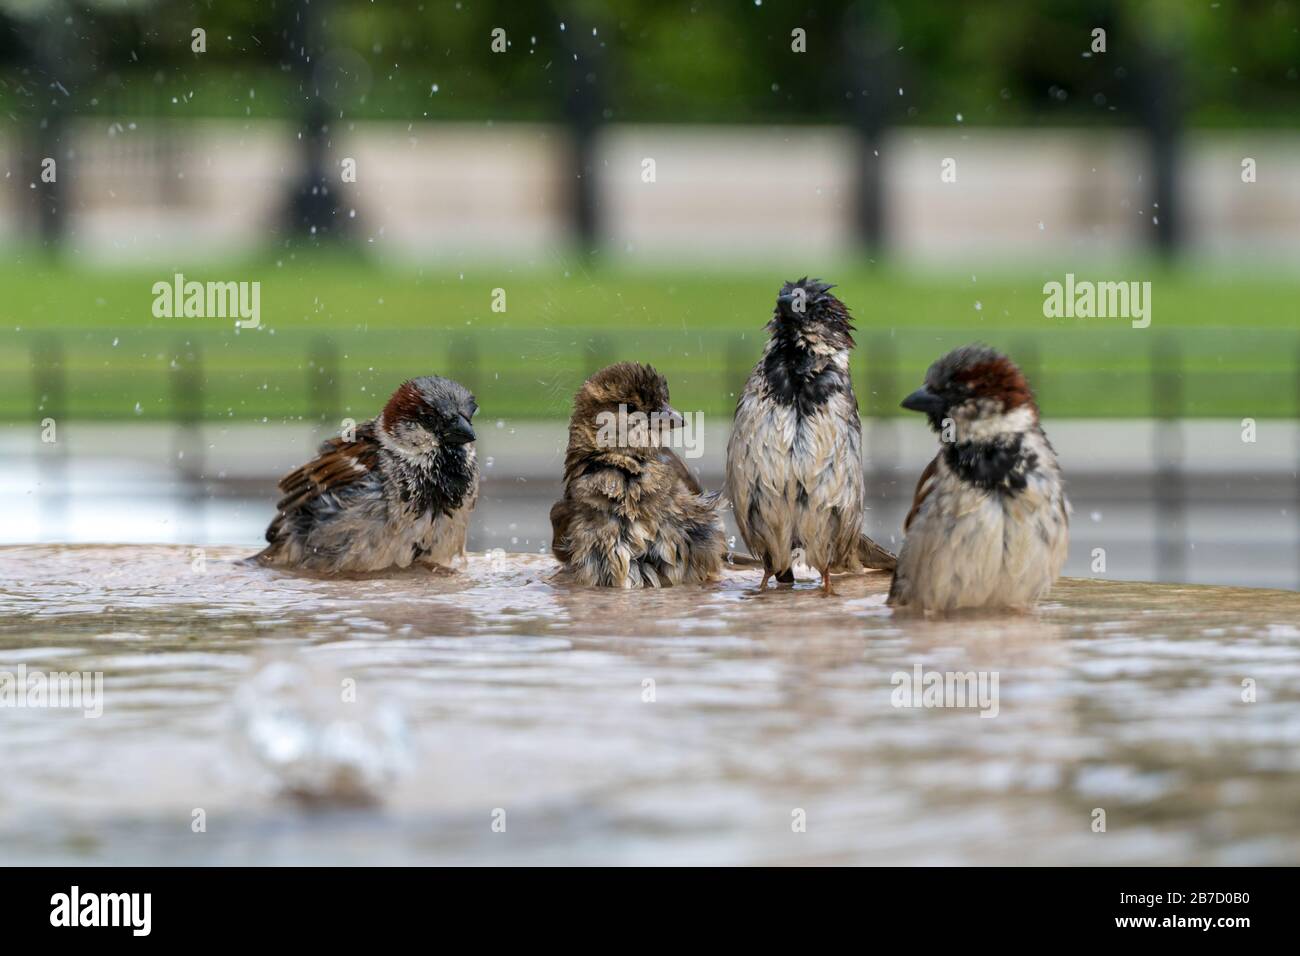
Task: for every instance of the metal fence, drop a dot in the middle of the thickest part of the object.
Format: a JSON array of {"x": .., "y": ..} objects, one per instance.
[
  {"x": 1195, "y": 373},
  {"x": 533, "y": 375}
]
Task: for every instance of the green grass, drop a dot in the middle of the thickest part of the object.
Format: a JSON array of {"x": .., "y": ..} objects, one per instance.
[{"x": 1237, "y": 339}]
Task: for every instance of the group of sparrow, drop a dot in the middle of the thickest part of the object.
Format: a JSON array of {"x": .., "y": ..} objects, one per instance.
[{"x": 988, "y": 526}]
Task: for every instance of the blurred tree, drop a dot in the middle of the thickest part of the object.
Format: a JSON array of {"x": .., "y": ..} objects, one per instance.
[{"x": 1001, "y": 62}]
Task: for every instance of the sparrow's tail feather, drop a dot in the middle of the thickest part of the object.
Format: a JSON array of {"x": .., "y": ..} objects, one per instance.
[
  {"x": 739, "y": 559},
  {"x": 265, "y": 557},
  {"x": 875, "y": 557}
]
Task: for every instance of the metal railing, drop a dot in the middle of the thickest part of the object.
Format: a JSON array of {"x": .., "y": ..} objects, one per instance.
[{"x": 533, "y": 375}]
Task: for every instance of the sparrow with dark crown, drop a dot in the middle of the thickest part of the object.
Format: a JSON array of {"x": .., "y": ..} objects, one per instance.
[
  {"x": 398, "y": 491},
  {"x": 989, "y": 524},
  {"x": 632, "y": 514},
  {"x": 794, "y": 459}
]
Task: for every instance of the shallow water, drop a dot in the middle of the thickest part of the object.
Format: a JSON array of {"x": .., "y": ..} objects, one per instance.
[{"x": 497, "y": 690}]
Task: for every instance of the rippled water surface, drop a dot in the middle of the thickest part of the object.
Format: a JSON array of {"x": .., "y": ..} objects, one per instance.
[{"x": 251, "y": 716}]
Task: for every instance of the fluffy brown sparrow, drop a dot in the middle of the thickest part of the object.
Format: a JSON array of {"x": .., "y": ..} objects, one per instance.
[
  {"x": 794, "y": 459},
  {"x": 398, "y": 491},
  {"x": 632, "y": 514},
  {"x": 989, "y": 525}
]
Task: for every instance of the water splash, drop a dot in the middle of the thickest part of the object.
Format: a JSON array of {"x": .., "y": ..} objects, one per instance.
[{"x": 320, "y": 737}]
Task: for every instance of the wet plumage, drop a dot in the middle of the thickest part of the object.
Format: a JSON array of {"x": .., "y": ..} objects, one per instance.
[
  {"x": 398, "y": 491},
  {"x": 794, "y": 459},
  {"x": 632, "y": 514},
  {"x": 989, "y": 524}
]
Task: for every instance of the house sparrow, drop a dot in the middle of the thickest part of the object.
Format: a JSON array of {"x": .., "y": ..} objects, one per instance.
[
  {"x": 632, "y": 514},
  {"x": 399, "y": 491},
  {"x": 989, "y": 525},
  {"x": 794, "y": 462}
]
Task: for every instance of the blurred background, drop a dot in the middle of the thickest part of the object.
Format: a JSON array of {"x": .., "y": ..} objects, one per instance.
[{"x": 516, "y": 194}]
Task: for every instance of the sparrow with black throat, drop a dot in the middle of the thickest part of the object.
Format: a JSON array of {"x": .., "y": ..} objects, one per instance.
[
  {"x": 632, "y": 514},
  {"x": 989, "y": 524},
  {"x": 398, "y": 491},
  {"x": 794, "y": 458}
]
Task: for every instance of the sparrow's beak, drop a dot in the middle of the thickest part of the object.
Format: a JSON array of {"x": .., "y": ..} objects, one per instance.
[
  {"x": 461, "y": 432},
  {"x": 672, "y": 416},
  {"x": 923, "y": 400}
]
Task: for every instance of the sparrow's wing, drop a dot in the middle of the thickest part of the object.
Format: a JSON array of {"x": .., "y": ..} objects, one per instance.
[
  {"x": 669, "y": 458},
  {"x": 593, "y": 488},
  {"x": 561, "y": 515},
  {"x": 338, "y": 463},
  {"x": 875, "y": 557},
  {"x": 923, "y": 489},
  {"x": 713, "y": 498}
]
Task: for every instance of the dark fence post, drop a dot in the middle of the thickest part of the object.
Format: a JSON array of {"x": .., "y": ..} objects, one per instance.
[
  {"x": 313, "y": 204},
  {"x": 1169, "y": 492},
  {"x": 882, "y": 404},
  {"x": 463, "y": 363},
  {"x": 54, "y": 69},
  {"x": 738, "y": 368},
  {"x": 325, "y": 405},
  {"x": 1026, "y": 356},
  {"x": 49, "y": 383},
  {"x": 1160, "y": 109},
  {"x": 867, "y": 41},
  {"x": 187, "y": 415},
  {"x": 585, "y": 62}
]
